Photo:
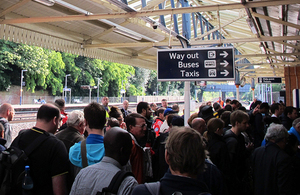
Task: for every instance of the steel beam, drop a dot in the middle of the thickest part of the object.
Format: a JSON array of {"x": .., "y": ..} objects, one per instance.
[{"x": 182, "y": 10}]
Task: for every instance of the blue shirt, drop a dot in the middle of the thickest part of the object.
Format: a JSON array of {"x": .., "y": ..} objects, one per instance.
[{"x": 94, "y": 150}]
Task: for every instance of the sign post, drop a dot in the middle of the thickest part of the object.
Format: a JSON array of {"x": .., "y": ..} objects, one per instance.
[{"x": 194, "y": 64}]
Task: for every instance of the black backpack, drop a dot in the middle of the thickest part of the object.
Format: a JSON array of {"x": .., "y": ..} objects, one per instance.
[
  {"x": 12, "y": 165},
  {"x": 115, "y": 183}
]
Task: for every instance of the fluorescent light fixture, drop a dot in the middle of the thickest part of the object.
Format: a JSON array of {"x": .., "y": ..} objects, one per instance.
[
  {"x": 252, "y": 25},
  {"x": 46, "y": 2},
  {"x": 128, "y": 34}
]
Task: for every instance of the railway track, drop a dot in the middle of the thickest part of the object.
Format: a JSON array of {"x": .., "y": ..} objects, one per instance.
[{"x": 29, "y": 115}]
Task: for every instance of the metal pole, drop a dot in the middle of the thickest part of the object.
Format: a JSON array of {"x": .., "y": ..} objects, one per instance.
[
  {"x": 66, "y": 86},
  {"x": 21, "y": 90},
  {"x": 98, "y": 91},
  {"x": 90, "y": 96},
  {"x": 187, "y": 102},
  {"x": 271, "y": 93}
]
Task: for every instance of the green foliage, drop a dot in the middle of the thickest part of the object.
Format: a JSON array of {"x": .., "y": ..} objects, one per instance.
[
  {"x": 114, "y": 75},
  {"x": 56, "y": 74}
]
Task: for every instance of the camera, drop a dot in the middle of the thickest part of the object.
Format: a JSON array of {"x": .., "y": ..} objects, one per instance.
[{"x": 155, "y": 25}]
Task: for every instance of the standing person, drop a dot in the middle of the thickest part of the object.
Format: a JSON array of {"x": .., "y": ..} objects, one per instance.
[
  {"x": 7, "y": 113},
  {"x": 235, "y": 104},
  {"x": 199, "y": 125},
  {"x": 118, "y": 145},
  {"x": 95, "y": 119},
  {"x": 2, "y": 140},
  {"x": 276, "y": 110},
  {"x": 60, "y": 103},
  {"x": 125, "y": 110},
  {"x": 238, "y": 153},
  {"x": 259, "y": 125},
  {"x": 137, "y": 127},
  {"x": 144, "y": 109},
  {"x": 221, "y": 102},
  {"x": 272, "y": 169},
  {"x": 164, "y": 103},
  {"x": 216, "y": 146},
  {"x": 185, "y": 156},
  {"x": 289, "y": 115},
  {"x": 48, "y": 162},
  {"x": 74, "y": 132},
  {"x": 253, "y": 104},
  {"x": 153, "y": 107},
  {"x": 105, "y": 102},
  {"x": 295, "y": 129},
  {"x": 227, "y": 102},
  {"x": 158, "y": 121},
  {"x": 71, "y": 135}
]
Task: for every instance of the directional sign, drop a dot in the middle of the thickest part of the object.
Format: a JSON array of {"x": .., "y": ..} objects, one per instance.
[
  {"x": 67, "y": 89},
  {"x": 269, "y": 80},
  {"x": 190, "y": 64}
]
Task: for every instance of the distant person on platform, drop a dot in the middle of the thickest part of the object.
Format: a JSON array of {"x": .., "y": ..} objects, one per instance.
[
  {"x": 164, "y": 103},
  {"x": 253, "y": 104},
  {"x": 153, "y": 107},
  {"x": 221, "y": 102},
  {"x": 125, "y": 110},
  {"x": 105, "y": 102},
  {"x": 7, "y": 113},
  {"x": 60, "y": 103}
]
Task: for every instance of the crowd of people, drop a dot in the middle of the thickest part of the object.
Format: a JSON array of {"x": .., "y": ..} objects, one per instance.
[{"x": 223, "y": 149}]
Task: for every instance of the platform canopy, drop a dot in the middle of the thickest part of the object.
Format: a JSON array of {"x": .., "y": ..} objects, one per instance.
[{"x": 265, "y": 33}]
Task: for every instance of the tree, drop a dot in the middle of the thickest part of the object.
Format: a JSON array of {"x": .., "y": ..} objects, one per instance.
[{"x": 35, "y": 61}]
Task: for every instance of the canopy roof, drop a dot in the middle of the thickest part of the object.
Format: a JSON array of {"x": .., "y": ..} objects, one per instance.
[{"x": 265, "y": 33}]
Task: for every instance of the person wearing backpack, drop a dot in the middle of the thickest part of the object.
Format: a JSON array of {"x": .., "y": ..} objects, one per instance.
[
  {"x": 185, "y": 156},
  {"x": 48, "y": 157},
  {"x": 95, "y": 178}
]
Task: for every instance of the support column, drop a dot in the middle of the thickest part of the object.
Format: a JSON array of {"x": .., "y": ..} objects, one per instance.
[
  {"x": 187, "y": 100},
  {"x": 237, "y": 92}
]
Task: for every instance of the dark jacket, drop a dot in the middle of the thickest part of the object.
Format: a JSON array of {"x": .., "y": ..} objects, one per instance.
[
  {"x": 69, "y": 137},
  {"x": 125, "y": 112},
  {"x": 218, "y": 152},
  {"x": 159, "y": 164},
  {"x": 239, "y": 162},
  {"x": 173, "y": 183},
  {"x": 286, "y": 121},
  {"x": 272, "y": 170}
]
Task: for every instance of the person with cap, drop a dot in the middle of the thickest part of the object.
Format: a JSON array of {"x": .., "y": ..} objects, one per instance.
[
  {"x": 165, "y": 125},
  {"x": 206, "y": 113}
]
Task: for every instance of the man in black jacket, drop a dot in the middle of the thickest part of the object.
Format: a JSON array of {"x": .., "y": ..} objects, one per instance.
[
  {"x": 271, "y": 165},
  {"x": 238, "y": 152}
]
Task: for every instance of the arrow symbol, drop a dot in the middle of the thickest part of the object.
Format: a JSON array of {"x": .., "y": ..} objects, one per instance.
[
  {"x": 224, "y": 63},
  {"x": 224, "y": 54},
  {"x": 225, "y": 73}
]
